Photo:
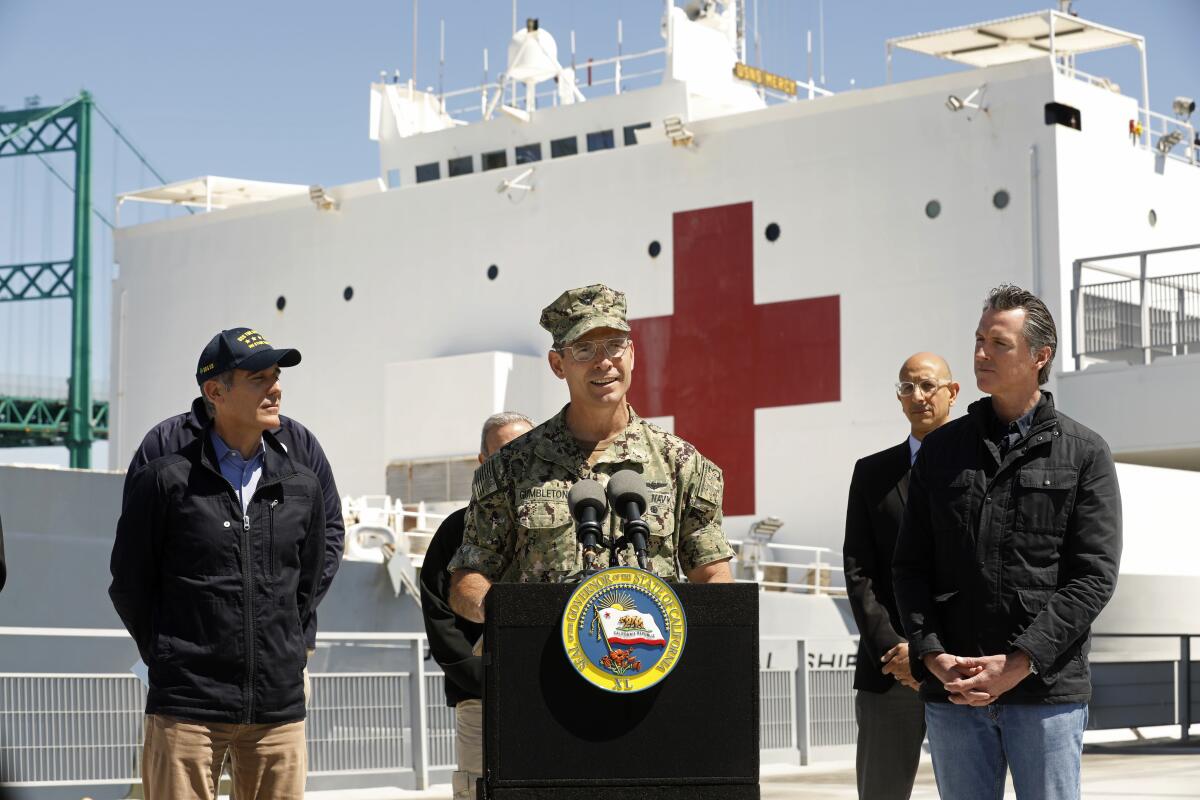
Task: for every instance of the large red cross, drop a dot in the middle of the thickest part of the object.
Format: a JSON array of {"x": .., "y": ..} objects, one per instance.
[{"x": 721, "y": 356}]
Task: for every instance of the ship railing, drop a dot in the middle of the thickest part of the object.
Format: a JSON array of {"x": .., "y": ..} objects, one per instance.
[
  {"x": 596, "y": 74},
  {"x": 1170, "y": 137},
  {"x": 392, "y": 728},
  {"x": 377, "y": 728},
  {"x": 595, "y": 77},
  {"x": 1141, "y": 317},
  {"x": 1069, "y": 70},
  {"x": 751, "y": 566}
]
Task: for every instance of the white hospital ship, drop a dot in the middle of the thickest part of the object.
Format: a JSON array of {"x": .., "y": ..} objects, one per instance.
[{"x": 783, "y": 250}]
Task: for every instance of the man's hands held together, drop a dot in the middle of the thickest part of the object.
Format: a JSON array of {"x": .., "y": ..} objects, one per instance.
[
  {"x": 978, "y": 681},
  {"x": 895, "y": 663}
]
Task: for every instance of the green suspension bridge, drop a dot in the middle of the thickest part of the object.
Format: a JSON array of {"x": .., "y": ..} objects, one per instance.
[{"x": 76, "y": 419}]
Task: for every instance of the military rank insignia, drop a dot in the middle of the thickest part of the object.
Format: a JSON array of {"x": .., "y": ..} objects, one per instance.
[{"x": 624, "y": 629}]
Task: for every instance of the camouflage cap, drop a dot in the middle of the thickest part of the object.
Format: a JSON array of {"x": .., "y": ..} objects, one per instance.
[{"x": 577, "y": 311}]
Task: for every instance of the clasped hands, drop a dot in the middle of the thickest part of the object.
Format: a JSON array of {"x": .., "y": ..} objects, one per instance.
[{"x": 978, "y": 681}]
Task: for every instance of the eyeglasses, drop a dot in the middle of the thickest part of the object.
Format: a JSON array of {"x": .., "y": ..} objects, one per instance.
[
  {"x": 927, "y": 387},
  {"x": 586, "y": 351}
]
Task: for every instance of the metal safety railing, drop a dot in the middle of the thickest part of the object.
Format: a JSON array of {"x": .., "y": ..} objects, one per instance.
[
  {"x": 441, "y": 721},
  {"x": 358, "y": 723},
  {"x": 70, "y": 729},
  {"x": 76, "y": 729},
  {"x": 1137, "y": 319}
]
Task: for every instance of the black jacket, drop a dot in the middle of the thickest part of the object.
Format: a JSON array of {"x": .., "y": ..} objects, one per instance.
[
  {"x": 174, "y": 433},
  {"x": 878, "y": 492},
  {"x": 450, "y": 636},
  {"x": 1019, "y": 552},
  {"x": 215, "y": 599}
]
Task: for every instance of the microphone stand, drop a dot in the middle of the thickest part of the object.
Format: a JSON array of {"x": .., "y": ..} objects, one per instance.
[{"x": 636, "y": 531}]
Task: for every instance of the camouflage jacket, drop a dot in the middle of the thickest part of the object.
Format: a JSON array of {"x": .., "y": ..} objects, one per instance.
[{"x": 519, "y": 527}]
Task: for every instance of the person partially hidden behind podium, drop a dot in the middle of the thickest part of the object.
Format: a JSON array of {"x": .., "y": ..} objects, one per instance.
[
  {"x": 452, "y": 638},
  {"x": 519, "y": 525},
  {"x": 890, "y": 714}
]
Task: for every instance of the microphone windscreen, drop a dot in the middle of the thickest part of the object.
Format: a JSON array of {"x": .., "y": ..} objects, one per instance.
[
  {"x": 628, "y": 486},
  {"x": 587, "y": 494}
]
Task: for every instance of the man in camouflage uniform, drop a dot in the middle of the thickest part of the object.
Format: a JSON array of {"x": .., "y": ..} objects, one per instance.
[{"x": 519, "y": 527}]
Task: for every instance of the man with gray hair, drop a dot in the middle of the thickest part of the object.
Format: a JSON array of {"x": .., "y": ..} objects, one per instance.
[
  {"x": 1008, "y": 551},
  {"x": 452, "y": 638}
]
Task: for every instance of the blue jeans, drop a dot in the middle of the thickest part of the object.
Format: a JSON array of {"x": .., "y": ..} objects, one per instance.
[{"x": 973, "y": 747}]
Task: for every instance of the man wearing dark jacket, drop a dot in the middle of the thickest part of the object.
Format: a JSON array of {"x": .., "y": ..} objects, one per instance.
[
  {"x": 891, "y": 718},
  {"x": 216, "y": 563},
  {"x": 452, "y": 638},
  {"x": 174, "y": 433},
  {"x": 1008, "y": 551}
]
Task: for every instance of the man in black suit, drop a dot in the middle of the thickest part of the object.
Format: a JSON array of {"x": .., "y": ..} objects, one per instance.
[{"x": 891, "y": 719}]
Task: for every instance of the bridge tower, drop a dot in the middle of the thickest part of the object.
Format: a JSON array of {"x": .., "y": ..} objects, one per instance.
[{"x": 78, "y": 420}]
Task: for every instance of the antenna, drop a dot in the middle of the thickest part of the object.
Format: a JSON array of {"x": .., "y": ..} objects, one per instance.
[
  {"x": 821, "y": 34},
  {"x": 757, "y": 41},
  {"x": 740, "y": 10},
  {"x": 414, "y": 45},
  {"x": 810, "y": 72},
  {"x": 441, "y": 55}
]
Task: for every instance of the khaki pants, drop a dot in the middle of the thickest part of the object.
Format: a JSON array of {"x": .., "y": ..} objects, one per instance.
[
  {"x": 182, "y": 760},
  {"x": 468, "y": 742}
]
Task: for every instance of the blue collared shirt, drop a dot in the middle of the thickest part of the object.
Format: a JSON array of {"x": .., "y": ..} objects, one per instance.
[
  {"x": 1015, "y": 431},
  {"x": 243, "y": 475},
  {"x": 914, "y": 447}
]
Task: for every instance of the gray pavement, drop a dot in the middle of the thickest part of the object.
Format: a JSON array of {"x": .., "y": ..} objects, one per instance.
[
  {"x": 1106, "y": 776},
  {"x": 1109, "y": 773}
]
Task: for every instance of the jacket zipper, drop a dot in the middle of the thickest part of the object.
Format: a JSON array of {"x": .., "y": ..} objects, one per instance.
[
  {"x": 248, "y": 605},
  {"x": 270, "y": 560},
  {"x": 248, "y": 585}
]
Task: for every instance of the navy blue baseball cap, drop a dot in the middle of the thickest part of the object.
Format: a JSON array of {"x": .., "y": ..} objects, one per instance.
[{"x": 241, "y": 348}]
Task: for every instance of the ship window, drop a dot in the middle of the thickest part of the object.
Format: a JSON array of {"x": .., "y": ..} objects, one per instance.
[
  {"x": 630, "y": 135},
  {"x": 393, "y": 178},
  {"x": 772, "y": 231},
  {"x": 528, "y": 152},
  {"x": 600, "y": 140},
  {"x": 1000, "y": 199},
  {"x": 496, "y": 159},
  {"x": 492, "y": 272},
  {"x": 932, "y": 209},
  {"x": 460, "y": 166},
  {"x": 654, "y": 249},
  {"x": 429, "y": 172},
  {"x": 280, "y": 302},
  {"x": 564, "y": 147}
]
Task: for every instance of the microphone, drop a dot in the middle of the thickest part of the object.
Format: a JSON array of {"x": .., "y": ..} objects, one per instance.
[
  {"x": 629, "y": 496},
  {"x": 588, "y": 506}
]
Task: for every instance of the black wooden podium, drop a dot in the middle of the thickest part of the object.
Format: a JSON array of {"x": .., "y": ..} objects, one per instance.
[{"x": 548, "y": 733}]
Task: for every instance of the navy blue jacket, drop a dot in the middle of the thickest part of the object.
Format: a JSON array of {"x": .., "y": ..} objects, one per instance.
[
  {"x": 217, "y": 598},
  {"x": 174, "y": 433}
]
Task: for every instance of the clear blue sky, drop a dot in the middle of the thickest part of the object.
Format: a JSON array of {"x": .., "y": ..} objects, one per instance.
[{"x": 278, "y": 91}]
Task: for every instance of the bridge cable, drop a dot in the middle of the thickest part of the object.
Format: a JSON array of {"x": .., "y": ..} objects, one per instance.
[{"x": 120, "y": 134}]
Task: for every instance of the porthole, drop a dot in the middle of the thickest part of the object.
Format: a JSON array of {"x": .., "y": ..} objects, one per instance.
[
  {"x": 654, "y": 249},
  {"x": 772, "y": 232},
  {"x": 1152, "y": 217},
  {"x": 348, "y": 293},
  {"x": 1000, "y": 199},
  {"x": 492, "y": 272},
  {"x": 280, "y": 302},
  {"x": 932, "y": 209}
]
